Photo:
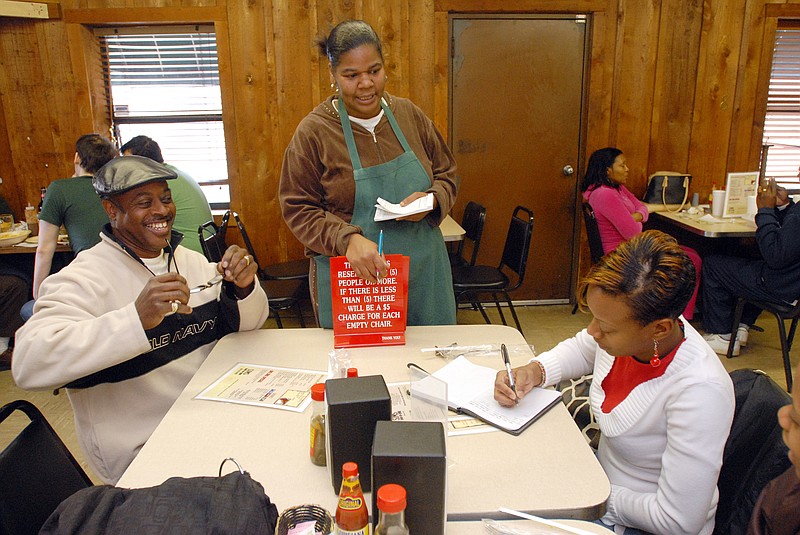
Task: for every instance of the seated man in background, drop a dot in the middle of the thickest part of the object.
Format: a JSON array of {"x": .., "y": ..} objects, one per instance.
[
  {"x": 14, "y": 289},
  {"x": 775, "y": 277},
  {"x": 190, "y": 202},
  {"x": 119, "y": 327},
  {"x": 73, "y": 203},
  {"x": 13, "y": 294},
  {"x": 777, "y": 511}
]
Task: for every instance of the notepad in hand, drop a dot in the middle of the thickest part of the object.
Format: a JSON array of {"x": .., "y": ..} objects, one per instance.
[
  {"x": 384, "y": 210},
  {"x": 470, "y": 390}
]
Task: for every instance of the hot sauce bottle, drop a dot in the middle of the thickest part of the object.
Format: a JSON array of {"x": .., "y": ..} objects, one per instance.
[{"x": 352, "y": 517}]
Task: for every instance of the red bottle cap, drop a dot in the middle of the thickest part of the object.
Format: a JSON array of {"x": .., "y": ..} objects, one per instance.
[
  {"x": 352, "y": 372},
  {"x": 318, "y": 392},
  {"x": 391, "y": 498},
  {"x": 349, "y": 469}
]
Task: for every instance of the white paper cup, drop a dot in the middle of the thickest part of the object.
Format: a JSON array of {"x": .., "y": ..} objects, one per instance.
[
  {"x": 752, "y": 208},
  {"x": 717, "y": 202}
]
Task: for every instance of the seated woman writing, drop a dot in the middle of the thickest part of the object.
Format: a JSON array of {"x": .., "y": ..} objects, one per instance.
[
  {"x": 662, "y": 399},
  {"x": 619, "y": 213}
]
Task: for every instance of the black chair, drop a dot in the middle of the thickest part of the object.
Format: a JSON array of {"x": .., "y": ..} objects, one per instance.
[
  {"x": 781, "y": 313},
  {"x": 592, "y": 236},
  {"x": 470, "y": 282},
  {"x": 754, "y": 451},
  {"x": 292, "y": 269},
  {"x": 284, "y": 294},
  {"x": 37, "y": 472},
  {"x": 472, "y": 222}
]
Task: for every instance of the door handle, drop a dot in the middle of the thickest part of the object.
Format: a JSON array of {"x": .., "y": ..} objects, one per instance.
[{"x": 568, "y": 170}]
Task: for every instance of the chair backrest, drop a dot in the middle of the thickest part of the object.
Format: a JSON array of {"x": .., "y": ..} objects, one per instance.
[
  {"x": 212, "y": 238},
  {"x": 249, "y": 245},
  {"x": 472, "y": 222},
  {"x": 37, "y": 472},
  {"x": 754, "y": 452},
  {"x": 592, "y": 233},
  {"x": 518, "y": 244}
]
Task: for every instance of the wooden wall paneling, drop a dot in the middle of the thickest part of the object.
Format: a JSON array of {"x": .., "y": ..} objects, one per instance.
[
  {"x": 634, "y": 85},
  {"x": 603, "y": 32},
  {"x": 253, "y": 70},
  {"x": 390, "y": 21},
  {"x": 675, "y": 79},
  {"x": 421, "y": 55},
  {"x": 441, "y": 67},
  {"x": 746, "y": 127},
  {"x": 720, "y": 45},
  {"x": 297, "y": 85},
  {"x": 89, "y": 89},
  {"x": 12, "y": 187},
  {"x": 227, "y": 93},
  {"x": 29, "y": 115}
]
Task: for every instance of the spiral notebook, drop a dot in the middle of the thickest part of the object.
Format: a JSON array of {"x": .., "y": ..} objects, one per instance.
[{"x": 470, "y": 390}]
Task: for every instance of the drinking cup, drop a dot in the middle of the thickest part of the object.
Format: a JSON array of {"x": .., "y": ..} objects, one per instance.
[
  {"x": 6, "y": 222},
  {"x": 717, "y": 202}
]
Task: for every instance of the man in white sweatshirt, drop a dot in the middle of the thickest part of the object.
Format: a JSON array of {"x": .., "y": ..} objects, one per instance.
[{"x": 119, "y": 327}]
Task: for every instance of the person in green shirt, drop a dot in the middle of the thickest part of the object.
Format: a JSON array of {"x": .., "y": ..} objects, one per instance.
[
  {"x": 72, "y": 202},
  {"x": 191, "y": 205}
]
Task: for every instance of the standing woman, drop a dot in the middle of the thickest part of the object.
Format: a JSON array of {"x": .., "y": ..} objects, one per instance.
[
  {"x": 360, "y": 144},
  {"x": 620, "y": 215}
]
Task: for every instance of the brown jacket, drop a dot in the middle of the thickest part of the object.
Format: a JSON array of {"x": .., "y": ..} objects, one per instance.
[
  {"x": 777, "y": 511},
  {"x": 317, "y": 190}
]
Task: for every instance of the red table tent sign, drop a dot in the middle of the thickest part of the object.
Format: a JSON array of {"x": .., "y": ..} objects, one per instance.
[{"x": 365, "y": 313}]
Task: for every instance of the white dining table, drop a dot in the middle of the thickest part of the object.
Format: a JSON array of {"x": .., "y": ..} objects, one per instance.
[
  {"x": 451, "y": 230},
  {"x": 548, "y": 470}
]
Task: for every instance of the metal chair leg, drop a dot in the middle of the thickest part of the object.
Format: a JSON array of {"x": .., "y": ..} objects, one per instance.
[
  {"x": 787, "y": 363},
  {"x": 499, "y": 310},
  {"x": 737, "y": 317},
  {"x": 514, "y": 314}
]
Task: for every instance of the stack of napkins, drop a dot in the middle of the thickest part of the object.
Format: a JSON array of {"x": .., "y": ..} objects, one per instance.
[{"x": 384, "y": 210}]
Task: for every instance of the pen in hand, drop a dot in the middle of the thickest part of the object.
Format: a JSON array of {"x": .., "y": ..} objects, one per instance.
[
  {"x": 507, "y": 362},
  {"x": 380, "y": 251}
]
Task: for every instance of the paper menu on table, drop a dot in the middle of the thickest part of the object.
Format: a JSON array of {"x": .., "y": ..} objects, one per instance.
[
  {"x": 385, "y": 210},
  {"x": 470, "y": 390}
]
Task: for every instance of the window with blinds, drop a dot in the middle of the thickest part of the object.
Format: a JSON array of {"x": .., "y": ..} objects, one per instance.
[
  {"x": 165, "y": 85},
  {"x": 782, "y": 121}
]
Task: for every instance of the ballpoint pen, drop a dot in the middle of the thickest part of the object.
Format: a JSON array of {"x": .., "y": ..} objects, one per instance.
[
  {"x": 380, "y": 251},
  {"x": 507, "y": 362}
]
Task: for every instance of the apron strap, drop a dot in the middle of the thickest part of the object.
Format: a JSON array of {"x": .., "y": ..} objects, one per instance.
[
  {"x": 350, "y": 140},
  {"x": 348, "y": 135}
]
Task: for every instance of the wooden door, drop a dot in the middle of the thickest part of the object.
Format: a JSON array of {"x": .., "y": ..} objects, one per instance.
[{"x": 516, "y": 96}]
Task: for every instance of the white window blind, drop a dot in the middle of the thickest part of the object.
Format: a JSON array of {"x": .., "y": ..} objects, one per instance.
[
  {"x": 165, "y": 85},
  {"x": 782, "y": 121}
]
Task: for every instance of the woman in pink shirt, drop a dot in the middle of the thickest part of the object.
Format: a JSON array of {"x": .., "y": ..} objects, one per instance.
[{"x": 618, "y": 212}]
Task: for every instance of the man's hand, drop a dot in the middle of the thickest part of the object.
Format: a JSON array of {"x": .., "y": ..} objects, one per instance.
[
  {"x": 239, "y": 268},
  {"x": 364, "y": 259},
  {"x": 768, "y": 194},
  {"x": 162, "y": 295}
]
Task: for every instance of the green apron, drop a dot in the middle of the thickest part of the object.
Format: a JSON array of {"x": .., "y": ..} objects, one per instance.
[{"x": 430, "y": 282}]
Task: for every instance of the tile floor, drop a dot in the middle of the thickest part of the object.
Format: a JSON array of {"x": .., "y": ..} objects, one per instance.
[{"x": 543, "y": 326}]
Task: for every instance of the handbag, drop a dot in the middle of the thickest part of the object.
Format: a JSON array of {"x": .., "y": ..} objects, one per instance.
[
  {"x": 668, "y": 188},
  {"x": 233, "y": 504}
]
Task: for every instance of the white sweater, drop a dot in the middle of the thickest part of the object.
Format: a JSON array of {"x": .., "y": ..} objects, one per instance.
[
  {"x": 662, "y": 446},
  {"x": 85, "y": 323}
]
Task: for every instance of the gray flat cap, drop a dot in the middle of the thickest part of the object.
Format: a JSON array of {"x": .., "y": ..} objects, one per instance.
[{"x": 128, "y": 172}]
